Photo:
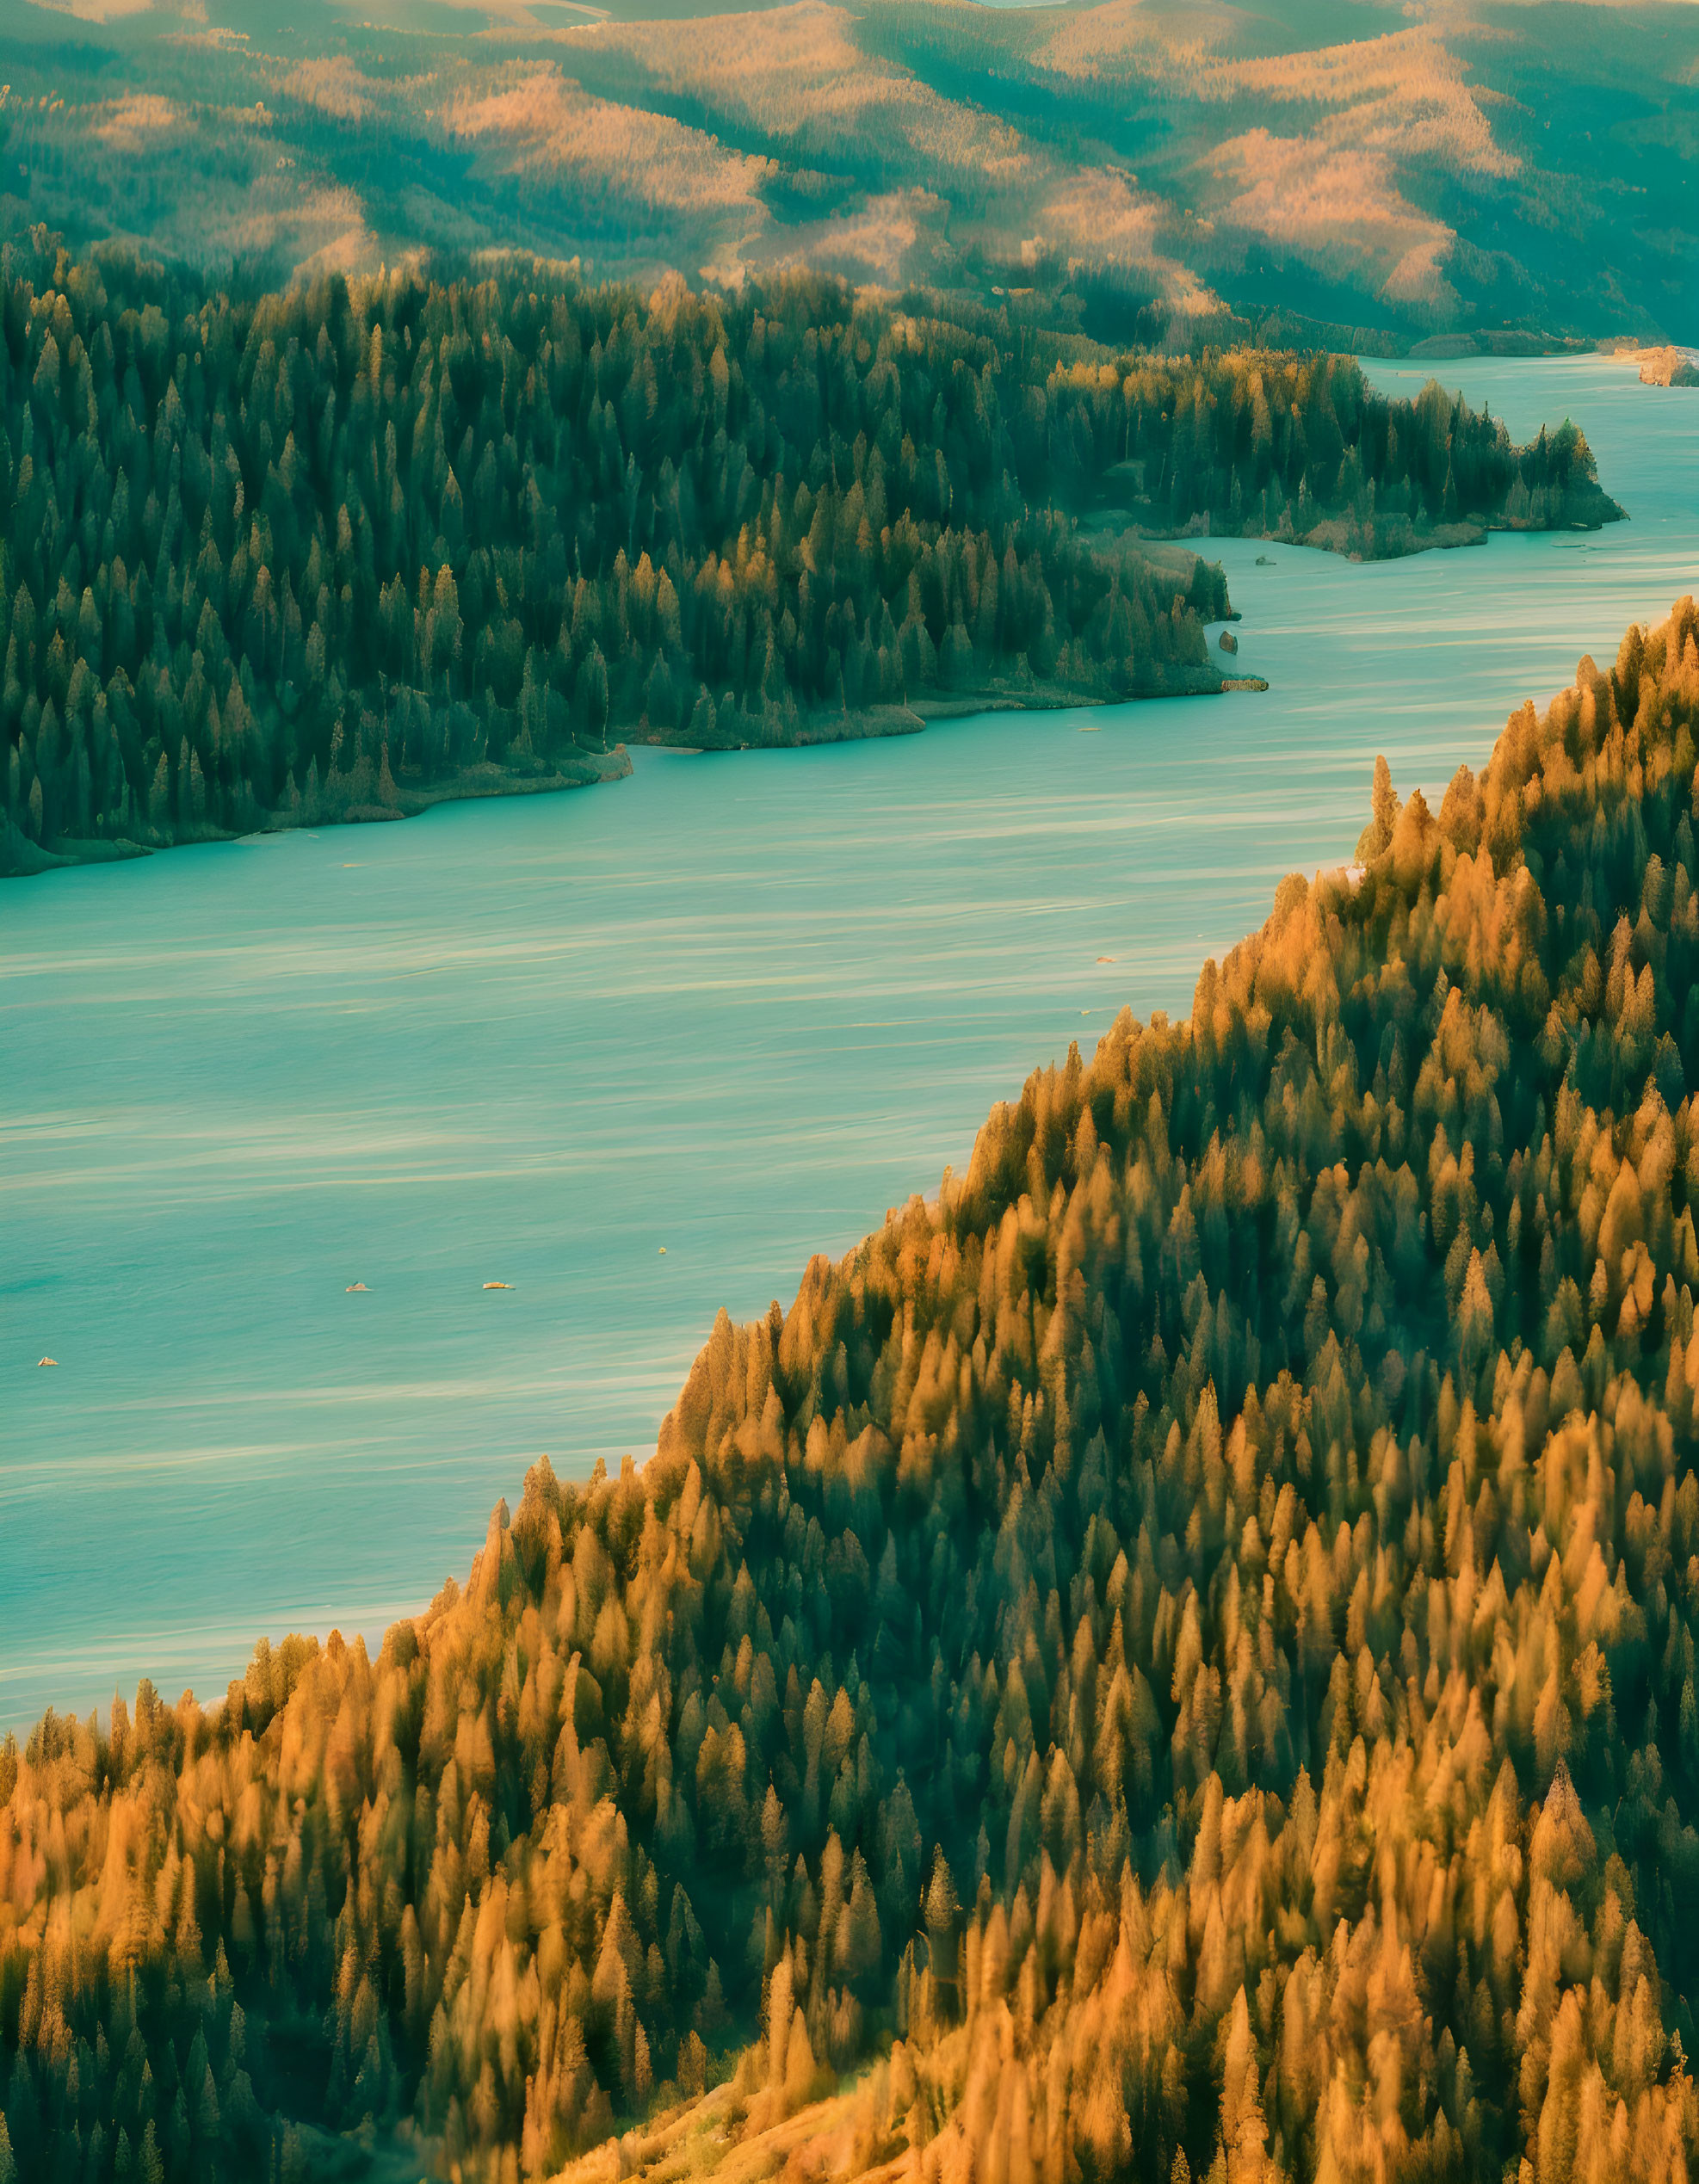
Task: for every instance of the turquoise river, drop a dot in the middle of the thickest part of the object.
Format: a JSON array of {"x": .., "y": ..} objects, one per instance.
[{"x": 635, "y": 1052}]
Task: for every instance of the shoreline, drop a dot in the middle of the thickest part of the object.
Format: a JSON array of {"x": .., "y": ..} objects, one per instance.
[
  {"x": 21, "y": 859},
  {"x": 1333, "y": 534},
  {"x": 872, "y": 723}
]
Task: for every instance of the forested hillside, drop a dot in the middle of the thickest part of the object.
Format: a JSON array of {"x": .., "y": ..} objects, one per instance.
[
  {"x": 1180, "y": 1649},
  {"x": 326, "y": 553}
]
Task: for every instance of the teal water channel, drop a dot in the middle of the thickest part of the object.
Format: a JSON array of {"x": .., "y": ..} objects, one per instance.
[{"x": 734, "y": 1007}]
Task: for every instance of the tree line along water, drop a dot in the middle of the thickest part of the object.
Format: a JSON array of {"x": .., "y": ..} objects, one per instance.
[{"x": 291, "y": 558}]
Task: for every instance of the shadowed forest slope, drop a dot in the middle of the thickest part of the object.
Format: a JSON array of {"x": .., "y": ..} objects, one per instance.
[
  {"x": 1180, "y": 1651},
  {"x": 332, "y": 553}
]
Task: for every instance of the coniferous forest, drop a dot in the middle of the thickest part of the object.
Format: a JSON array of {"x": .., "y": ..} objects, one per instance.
[
  {"x": 1174, "y": 1658},
  {"x": 333, "y": 552}
]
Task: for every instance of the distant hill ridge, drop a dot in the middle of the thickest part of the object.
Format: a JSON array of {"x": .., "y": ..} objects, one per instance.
[{"x": 1517, "y": 177}]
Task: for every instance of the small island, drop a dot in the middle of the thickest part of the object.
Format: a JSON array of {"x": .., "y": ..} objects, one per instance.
[{"x": 1668, "y": 367}]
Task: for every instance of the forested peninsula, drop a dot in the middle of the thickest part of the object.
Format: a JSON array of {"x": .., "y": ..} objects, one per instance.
[
  {"x": 337, "y": 552},
  {"x": 1175, "y": 1658}
]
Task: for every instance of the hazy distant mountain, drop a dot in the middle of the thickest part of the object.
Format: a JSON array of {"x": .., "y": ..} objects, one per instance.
[{"x": 1411, "y": 173}]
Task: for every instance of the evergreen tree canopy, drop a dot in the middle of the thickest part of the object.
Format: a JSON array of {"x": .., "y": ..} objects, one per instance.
[
  {"x": 327, "y": 553},
  {"x": 1190, "y": 1634}
]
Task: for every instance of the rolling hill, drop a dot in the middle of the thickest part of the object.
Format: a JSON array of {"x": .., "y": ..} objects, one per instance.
[{"x": 1493, "y": 173}]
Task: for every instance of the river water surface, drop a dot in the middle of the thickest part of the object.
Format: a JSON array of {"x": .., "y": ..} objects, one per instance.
[{"x": 734, "y": 1007}]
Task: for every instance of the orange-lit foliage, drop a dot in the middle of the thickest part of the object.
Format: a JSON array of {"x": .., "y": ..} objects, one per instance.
[{"x": 1185, "y": 1645}]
